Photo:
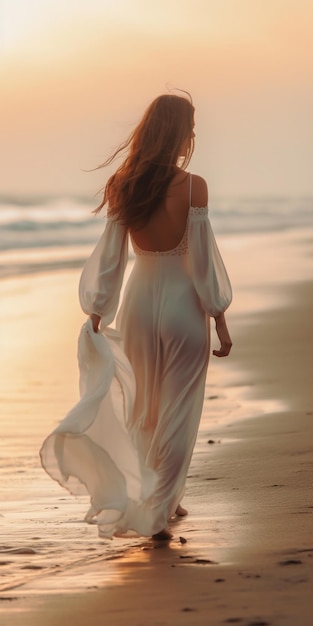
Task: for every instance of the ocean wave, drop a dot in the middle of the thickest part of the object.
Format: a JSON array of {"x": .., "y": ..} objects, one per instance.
[
  {"x": 67, "y": 223},
  {"x": 38, "y": 260}
]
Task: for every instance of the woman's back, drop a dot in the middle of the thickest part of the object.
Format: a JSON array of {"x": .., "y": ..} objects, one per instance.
[{"x": 167, "y": 225}]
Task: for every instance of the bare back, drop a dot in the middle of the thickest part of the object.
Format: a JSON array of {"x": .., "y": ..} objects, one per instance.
[{"x": 167, "y": 225}]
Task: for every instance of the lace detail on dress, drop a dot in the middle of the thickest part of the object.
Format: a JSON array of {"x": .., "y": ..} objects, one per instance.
[
  {"x": 198, "y": 210},
  {"x": 182, "y": 248}
]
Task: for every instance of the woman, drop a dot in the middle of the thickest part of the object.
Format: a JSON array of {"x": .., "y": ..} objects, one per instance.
[{"x": 128, "y": 442}]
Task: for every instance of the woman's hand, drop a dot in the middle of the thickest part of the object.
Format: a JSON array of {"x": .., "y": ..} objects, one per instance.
[
  {"x": 95, "y": 320},
  {"x": 223, "y": 335}
]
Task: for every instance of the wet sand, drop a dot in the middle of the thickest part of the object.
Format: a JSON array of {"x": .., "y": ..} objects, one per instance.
[{"x": 245, "y": 552}]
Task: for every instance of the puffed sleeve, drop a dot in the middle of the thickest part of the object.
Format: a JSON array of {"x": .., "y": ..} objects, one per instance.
[
  {"x": 208, "y": 271},
  {"x": 102, "y": 276}
]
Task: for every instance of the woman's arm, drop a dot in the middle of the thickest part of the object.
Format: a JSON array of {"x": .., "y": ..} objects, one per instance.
[
  {"x": 102, "y": 276},
  {"x": 223, "y": 335}
]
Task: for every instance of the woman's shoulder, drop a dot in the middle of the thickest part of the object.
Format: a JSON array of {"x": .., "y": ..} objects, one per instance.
[{"x": 199, "y": 191}]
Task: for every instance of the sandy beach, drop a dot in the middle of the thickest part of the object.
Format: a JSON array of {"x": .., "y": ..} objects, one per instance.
[{"x": 244, "y": 554}]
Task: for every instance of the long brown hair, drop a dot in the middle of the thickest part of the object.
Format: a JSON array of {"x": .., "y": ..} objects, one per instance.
[{"x": 139, "y": 185}]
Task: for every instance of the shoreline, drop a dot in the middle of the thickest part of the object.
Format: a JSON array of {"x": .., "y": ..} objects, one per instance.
[{"x": 248, "y": 550}]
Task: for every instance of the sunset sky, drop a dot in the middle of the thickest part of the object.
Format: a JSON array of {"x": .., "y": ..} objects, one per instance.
[{"x": 76, "y": 75}]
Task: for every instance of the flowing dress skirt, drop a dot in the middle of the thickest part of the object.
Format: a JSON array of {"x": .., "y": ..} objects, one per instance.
[{"x": 166, "y": 339}]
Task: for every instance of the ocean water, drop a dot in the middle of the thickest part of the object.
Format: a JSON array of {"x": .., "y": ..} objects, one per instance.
[{"x": 50, "y": 233}]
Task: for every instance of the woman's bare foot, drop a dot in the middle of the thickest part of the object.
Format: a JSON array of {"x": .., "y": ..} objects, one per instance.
[
  {"x": 180, "y": 511},
  {"x": 163, "y": 535}
]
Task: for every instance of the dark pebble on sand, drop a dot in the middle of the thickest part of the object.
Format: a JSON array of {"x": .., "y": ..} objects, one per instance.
[
  {"x": 291, "y": 562},
  {"x": 185, "y": 556},
  {"x": 211, "y": 441},
  {"x": 205, "y": 561},
  {"x": 32, "y": 567},
  {"x": 188, "y": 609},
  {"x": 182, "y": 540},
  {"x": 219, "y": 580},
  {"x": 234, "y": 620}
]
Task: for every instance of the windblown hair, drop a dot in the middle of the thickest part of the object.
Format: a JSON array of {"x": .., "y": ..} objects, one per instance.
[{"x": 139, "y": 185}]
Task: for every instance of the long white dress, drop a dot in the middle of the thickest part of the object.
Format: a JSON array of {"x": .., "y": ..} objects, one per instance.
[{"x": 129, "y": 440}]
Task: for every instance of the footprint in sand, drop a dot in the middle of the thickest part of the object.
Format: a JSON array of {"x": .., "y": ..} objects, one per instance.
[
  {"x": 239, "y": 620},
  {"x": 290, "y": 562}
]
